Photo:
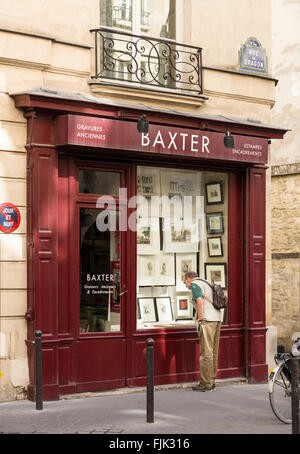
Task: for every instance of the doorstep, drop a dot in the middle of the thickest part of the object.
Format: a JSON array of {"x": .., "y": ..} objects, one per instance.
[{"x": 120, "y": 391}]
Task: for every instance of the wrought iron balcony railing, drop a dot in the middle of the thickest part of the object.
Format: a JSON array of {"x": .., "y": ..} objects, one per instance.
[{"x": 142, "y": 60}]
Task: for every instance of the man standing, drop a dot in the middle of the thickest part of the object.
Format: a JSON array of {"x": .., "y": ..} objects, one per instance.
[{"x": 208, "y": 323}]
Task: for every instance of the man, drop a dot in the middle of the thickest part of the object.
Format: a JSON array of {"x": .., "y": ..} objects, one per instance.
[{"x": 208, "y": 323}]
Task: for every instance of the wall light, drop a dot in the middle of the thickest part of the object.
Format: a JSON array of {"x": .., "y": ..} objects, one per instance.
[
  {"x": 228, "y": 140},
  {"x": 143, "y": 124}
]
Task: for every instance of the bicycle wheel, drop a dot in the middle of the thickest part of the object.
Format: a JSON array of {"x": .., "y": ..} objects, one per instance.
[{"x": 280, "y": 395}]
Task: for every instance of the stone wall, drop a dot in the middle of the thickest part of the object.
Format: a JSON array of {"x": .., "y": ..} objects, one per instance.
[{"x": 286, "y": 251}]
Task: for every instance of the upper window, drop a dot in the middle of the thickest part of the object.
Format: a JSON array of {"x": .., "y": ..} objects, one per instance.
[{"x": 155, "y": 18}]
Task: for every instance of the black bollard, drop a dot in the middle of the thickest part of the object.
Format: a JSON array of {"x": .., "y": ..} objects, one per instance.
[
  {"x": 150, "y": 380},
  {"x": 38, "y": 371},
  {"x": 295, "y": 395}
]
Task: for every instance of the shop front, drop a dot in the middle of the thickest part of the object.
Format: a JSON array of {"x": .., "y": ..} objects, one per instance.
[{"x": 115, "y": 219}]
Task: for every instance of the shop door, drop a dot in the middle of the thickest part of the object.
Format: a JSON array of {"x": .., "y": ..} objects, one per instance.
[{"x": 100, "y": 289}]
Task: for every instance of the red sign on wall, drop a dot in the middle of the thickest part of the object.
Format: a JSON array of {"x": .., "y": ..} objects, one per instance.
[
  {"x": 10, "y": 218},
  {"x": 123, "y": 135}
]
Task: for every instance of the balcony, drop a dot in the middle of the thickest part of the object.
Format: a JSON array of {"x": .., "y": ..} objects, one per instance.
[{"x": 145, "y": 62}]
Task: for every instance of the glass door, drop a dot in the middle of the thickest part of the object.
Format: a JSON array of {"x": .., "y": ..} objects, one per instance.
[
  {"x": 99, "y": 277},
  {"x": 100, "y": 272}
]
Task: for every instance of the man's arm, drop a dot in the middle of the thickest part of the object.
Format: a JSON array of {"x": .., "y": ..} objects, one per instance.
[{"x": 199, "y": 302}]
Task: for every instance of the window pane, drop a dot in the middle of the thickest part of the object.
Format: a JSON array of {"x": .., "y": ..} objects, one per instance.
[
  {"x": 154, "y": 17},
  {"x": 100, "y": 308},
  {"x": 181, "y": 226},
  {"x": 158, "y": 18},
  {"x": 116, "y": 13},
  {"x": 96, "y": 182}
]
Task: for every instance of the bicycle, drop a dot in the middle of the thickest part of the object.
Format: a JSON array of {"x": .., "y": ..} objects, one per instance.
[{"x": 280, "y": 386}]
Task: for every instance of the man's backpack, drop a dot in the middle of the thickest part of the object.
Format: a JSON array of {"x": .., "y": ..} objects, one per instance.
[{"x": 219, "y": 301}]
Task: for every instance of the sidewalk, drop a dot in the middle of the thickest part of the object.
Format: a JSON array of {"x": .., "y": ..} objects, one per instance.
[{"x": 231, "y": 409}]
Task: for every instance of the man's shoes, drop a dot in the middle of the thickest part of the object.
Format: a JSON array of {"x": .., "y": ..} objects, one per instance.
[{"x": 202, "y": 388}]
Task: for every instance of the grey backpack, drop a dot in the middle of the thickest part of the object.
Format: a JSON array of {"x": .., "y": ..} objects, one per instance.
[{"x": 219, "y": 301}]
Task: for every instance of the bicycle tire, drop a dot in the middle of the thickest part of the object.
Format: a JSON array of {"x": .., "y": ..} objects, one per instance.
[{"x": 280, "y": 395}]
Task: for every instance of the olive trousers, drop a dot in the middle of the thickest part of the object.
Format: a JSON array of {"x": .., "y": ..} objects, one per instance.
[{"x": 209, "y": 337}]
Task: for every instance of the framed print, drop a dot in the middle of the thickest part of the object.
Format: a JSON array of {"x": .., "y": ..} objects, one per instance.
[
  {"x": 165, "y": 269},
  {"x": 156, "y": 270},
  {"x": 214, "y": 246},
  {"x": 178, "y": 190},
  {"x": 184, "y": 263},
  {"x": 217, "y": 273},
  {"x": 146, "y": 270},
  {"x": 214, "y": 193},
  {"x": 148, "y": 236},
  {"x": 183, "y": 307},
  {"x": 148, "y": 181},
  {"x": 214, "y": 223},
  {"x": 164, "y": 309},
  {"x": 181, "y": 235},
  {"x": 147, "y": 309}
]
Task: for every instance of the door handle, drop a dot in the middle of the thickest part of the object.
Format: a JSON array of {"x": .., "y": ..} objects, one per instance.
[{"x": 125, "y": 291}]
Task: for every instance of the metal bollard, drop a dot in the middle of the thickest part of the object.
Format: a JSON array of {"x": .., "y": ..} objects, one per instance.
[
  {"x": 150, "y": 380},
  {"x": 295, "y": 371},
  {"x": 38, "y": 371}
]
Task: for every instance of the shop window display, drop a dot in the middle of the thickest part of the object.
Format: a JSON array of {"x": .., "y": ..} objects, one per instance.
[{"x": 181, "y": 226}]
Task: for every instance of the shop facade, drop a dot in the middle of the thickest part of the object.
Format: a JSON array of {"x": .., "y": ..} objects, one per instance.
[{"x": 114, "y": 219}]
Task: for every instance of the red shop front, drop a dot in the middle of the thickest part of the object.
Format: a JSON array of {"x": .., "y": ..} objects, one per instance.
[{"x": 107, "y": 249}]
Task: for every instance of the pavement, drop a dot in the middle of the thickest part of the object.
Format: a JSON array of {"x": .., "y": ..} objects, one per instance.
[{"x": 233, "y": 408}]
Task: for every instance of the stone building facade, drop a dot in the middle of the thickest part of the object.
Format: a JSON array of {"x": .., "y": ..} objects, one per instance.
[
  {"x": 51, "y": 51},
  {"x": 285, "y": 169}
]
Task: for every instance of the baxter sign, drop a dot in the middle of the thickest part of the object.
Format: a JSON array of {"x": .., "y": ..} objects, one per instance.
[{"x": 123, "y": 135}]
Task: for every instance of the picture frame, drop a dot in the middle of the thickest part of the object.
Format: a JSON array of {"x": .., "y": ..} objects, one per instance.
[
  {"x": 164, "y": 309},
  {"x": 148, "y": 181},
  {"x": 175, "y": 187},
  {"x": 156, "y": 270},
  {"x": 214, "y": 193},
  {"x": 148, "y": 237},
  {"x": 214, "y": 246},
  {"x": 165, "y": 269},
  {"x": 217, "y": 273},
  {"x": 146, "y": 270},
  {"x": 147, "y": 310},
  {"x": 181, "y": 235},
  {"x": 183, "y": 307},
  {"x": 214, "y": 223},
  {"x": 184, "y": 263}
]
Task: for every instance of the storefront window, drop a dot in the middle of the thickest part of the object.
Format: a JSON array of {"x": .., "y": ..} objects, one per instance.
[
  {"x": 100, "y": 307},
  {"x": 97, "y": 182},
  {"x": 181, "y": 226}
]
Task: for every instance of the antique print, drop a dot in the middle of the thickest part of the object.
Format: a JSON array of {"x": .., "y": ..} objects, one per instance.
[
  {"x": 214, "y": 245},
  {"x": 216, "y": 272},
  {"x": 147, "y": 309},
  {"x": 148, "y": 236},
  {"x": 214, "y": 222},
  {"x": 165, "y": 267},
  {"x": 183, "y": 307},
  {"x": 214, "y": 193},
  {"x": 146, "y": 269},
  {"x": 178, "y": 190},
  {"x": 184, "y": 263},
  {"x": 181, "y": 236},
  {"x": 148, "y": 182},
  {"x": 164, "y": 309},
  {"x": 156, "y": 269}
]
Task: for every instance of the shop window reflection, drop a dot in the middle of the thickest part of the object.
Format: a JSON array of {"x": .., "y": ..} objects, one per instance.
[{"x": 100, "y": 308}]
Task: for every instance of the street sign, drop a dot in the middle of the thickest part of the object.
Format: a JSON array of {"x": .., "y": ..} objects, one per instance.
[
  {"x": 253, "y": 57},
  {"x": 10, "y": 218}
]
